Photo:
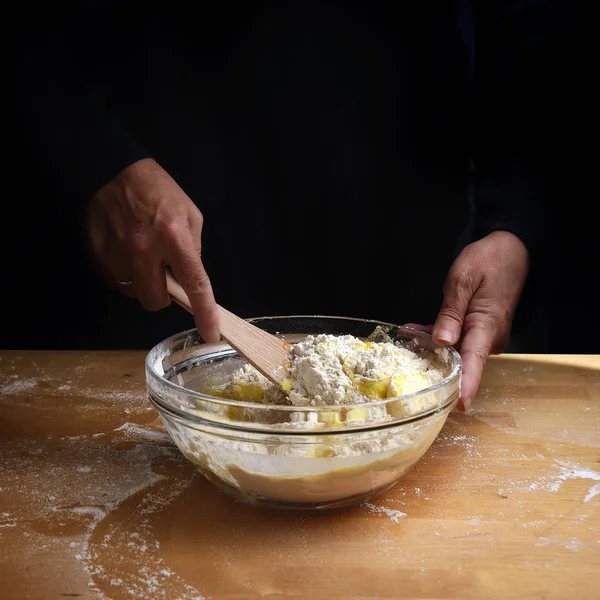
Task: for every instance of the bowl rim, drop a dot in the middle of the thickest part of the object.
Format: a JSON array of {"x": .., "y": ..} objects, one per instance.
[{"x": 182, "y": 412}]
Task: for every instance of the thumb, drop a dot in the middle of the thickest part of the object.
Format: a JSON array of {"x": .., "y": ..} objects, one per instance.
[{"x": 459, "y": 288}]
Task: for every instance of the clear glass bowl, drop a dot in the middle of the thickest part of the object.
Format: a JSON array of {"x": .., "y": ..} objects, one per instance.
[{"x": 289, "y": 457}]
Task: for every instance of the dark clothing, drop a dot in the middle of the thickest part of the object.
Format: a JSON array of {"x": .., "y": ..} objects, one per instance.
[{"x": 335, "y": 152}]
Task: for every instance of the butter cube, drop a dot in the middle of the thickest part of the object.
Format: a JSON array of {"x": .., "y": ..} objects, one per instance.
[{"x": 331, "y": 418}]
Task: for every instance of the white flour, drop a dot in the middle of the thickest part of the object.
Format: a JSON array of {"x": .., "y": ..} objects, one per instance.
[
  {"x": 564, "y": 471},
  {"x": 393, "y": 514},
  {"x": 325, "y": 370},
  {"x": 328, "y": 370},
  {"x": 592, "y": 492},
  {"x": 331, "y": 467},
  {"x": 58, "y": 501},
  {"x": 66, "y": 496},
  {"x": 78, "y": 486},
  {"x": 333, "y": 370}
]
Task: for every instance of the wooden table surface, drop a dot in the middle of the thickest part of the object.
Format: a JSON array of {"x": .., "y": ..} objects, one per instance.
[{"x": 96, "y": 502}]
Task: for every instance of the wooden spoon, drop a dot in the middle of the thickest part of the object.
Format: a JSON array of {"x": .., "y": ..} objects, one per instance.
[{"x": 267, "y": 353}]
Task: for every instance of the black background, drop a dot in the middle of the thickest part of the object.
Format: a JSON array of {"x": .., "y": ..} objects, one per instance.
[{"x": 52, "y": 297}]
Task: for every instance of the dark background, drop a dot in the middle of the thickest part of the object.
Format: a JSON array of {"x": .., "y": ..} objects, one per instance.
[{"x": 52, "y": 298}]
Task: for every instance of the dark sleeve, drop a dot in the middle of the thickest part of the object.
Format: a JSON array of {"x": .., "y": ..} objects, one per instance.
[
  {"x": 63, "y": 125},
  {"x": 514, "y": 115}
]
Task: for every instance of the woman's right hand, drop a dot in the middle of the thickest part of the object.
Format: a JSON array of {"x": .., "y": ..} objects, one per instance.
[{"x": 139, "y": 224}]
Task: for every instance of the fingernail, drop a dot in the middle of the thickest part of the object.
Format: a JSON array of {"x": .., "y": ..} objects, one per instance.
[
  {"x": 444, "y": 335},
  {"x": 467, "y": 404}
]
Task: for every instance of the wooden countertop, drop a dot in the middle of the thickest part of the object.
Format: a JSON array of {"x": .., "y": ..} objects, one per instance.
[{"x": 96, "y": 502}]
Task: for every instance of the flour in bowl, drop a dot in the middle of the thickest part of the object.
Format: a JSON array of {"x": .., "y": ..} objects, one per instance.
[
  {"x": 328, "y": 370},
  {"x": 335, "y": 432}
]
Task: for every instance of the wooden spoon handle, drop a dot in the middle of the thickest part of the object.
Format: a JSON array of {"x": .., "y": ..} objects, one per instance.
[
  {"x": 266, "y": 352},
  {"x": 177, "y": 293}
]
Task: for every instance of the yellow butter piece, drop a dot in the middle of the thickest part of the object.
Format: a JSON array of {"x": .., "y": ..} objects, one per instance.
[
  {"x": 245, "y": 392},
  {"x": 242, "y": 392},
  {"x": 401, "y": 385},
  {"x": 357, "y": 414},
  {"x": 287, "y": 385},
  {"x": 375, "y": 389},
  {"x": 395, "y": 387},
  {"x": 218, "y": 391},
  {"x": 414, "y": 383},
  {"x": 330, "y": 418}
]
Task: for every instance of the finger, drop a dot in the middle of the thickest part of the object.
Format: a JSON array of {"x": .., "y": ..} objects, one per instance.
[
  {"x": 419, "y": 327},
  {"x": 195, "y": 223},
  {"x": 458, "y": 291},
  {"x": 474, "y": 350},
  {"x": 119, "y": 266},
  {"x": 148, "y": 275},
  {"x": 189, "y": 271},
  {"x": 127, "y": 287},
  {"x": 108, "y": 249}
]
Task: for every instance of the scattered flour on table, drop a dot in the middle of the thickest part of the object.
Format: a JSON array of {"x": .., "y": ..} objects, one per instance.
[
  {"x": 551, "y": 482},
  {"x": 393, "y": 514},
  {"x": 133, "y": 429},
  {"x": 145, "y": 576},
  {"x": 67, "y": 493},
  {"x": 17, "y": 386},
  {"x": 592, "y": 492},
  {"x": 55, "y": 492},
  {"x": 72, "y": 382}
]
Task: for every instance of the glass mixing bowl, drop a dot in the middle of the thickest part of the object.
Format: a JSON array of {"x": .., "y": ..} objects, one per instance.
[{"x": 289, "y": 457}]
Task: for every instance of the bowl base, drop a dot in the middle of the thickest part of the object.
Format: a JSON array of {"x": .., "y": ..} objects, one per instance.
[{"x": 277, "y": 505}]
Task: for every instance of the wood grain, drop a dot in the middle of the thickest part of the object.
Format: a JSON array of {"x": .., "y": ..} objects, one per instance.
[{"x": 96, "y": 501}]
